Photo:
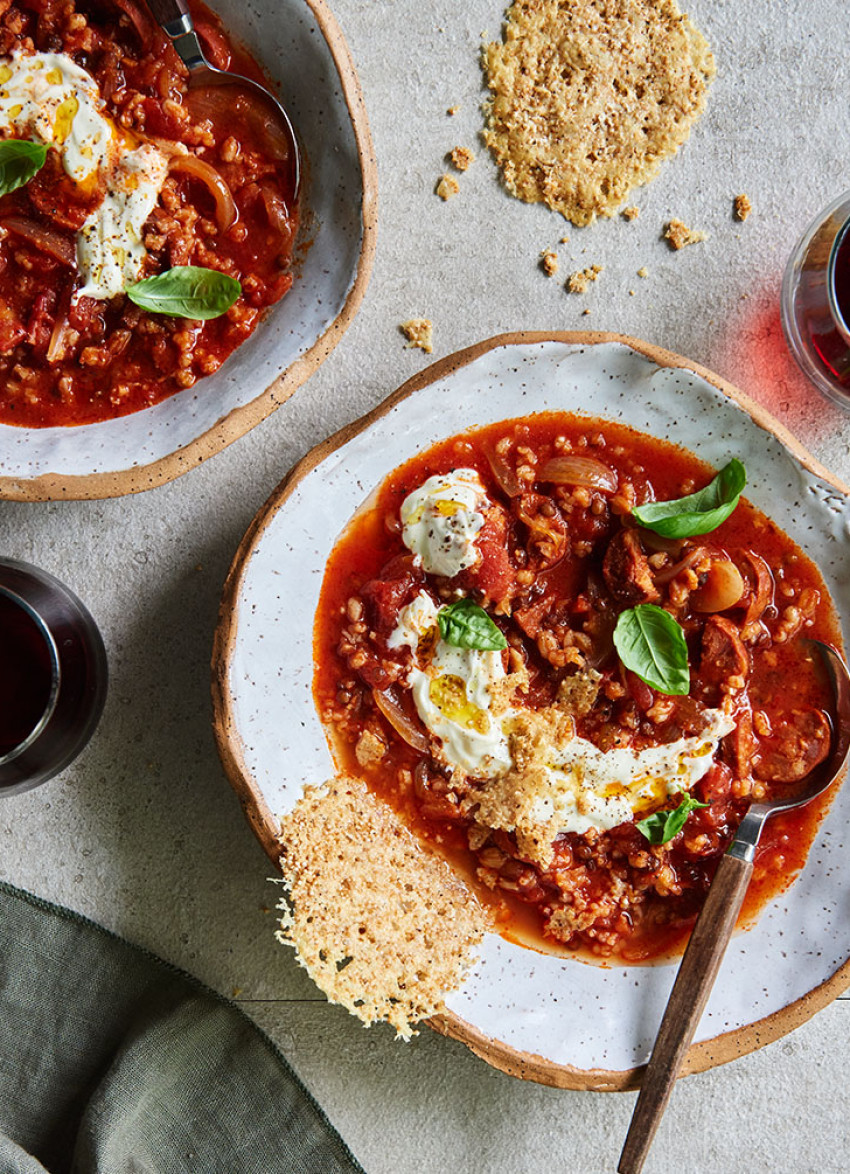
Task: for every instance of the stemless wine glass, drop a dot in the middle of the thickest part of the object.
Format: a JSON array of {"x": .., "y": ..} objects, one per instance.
[
  {"x": 53, "y": 676},
  {"x": 815, "y": 302}
]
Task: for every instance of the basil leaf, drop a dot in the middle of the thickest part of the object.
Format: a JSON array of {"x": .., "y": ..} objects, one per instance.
[
  {"x": 466, "y": 625},
  {"x": 20, "y": 160},
  {"x": 652, "y": 645},
  {"x": 699, "y": 512},
  {"x": 187, "y": 291},
  {"x": 664, "y": 825}
]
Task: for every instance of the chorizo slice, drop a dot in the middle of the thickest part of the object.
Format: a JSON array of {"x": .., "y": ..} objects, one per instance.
[
  {"x": 799, "y": 742},
  {"x": 723, "y": 652},
  {"x": 626, "y": 571}
]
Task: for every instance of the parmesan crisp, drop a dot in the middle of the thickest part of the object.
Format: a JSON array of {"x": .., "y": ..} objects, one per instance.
[
  {"x": 382, "y": 925},
  {"x": 589, "y": 97}
]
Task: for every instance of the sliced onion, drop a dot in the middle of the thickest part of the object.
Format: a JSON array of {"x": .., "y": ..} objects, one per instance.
[
  {"x": 225, "y": 208},
  {"x": 400, "y": 722},
  {"x": 584, "y": 471},
  {"x": 276, "y": 210},
  {"x": 763, "y": 587},
  {"x": 668, "y": 573},
  {"x": 503, "y": 472},
  {"x": 56, "y": 346},
  {"x": 243, "y": 109},
  {"x": 47, "y": 239}
]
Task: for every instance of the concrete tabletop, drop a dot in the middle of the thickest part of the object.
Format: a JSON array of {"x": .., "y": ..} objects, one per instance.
[{"x": 143, "y": 833}]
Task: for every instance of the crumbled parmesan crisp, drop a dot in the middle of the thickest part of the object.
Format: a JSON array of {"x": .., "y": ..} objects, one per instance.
[
  {"x": 447, "y": 187},
  {"x": 461, "y": 157},
  {"x": 588, "y": 98},
  {"x": 549, "y": 262},
  {"x": 419, "y": 332},
  {"x": 743, "y": 207},
  {"x": 452, "y": 111},
  {"x": 580, "y": 282},
  {"x": 643, "y": 271},
  {"x": 679, "y": 235},
  {"x": 382, "y": 925},
  {"x": 630, "y": 213}
]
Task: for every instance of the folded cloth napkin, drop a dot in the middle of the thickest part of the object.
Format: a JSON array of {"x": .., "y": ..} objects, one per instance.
[{"x": 112, "y": 1061}]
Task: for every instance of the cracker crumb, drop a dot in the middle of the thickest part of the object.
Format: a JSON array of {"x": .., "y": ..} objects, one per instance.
[
  {"x": 631, "y": 293},
  {"x": 419, "y": 332},
  {"x": 461, "y": 158},
  {"x": 564, "y": 240},
  {"x": 549, "y": 262},
  {"x": 447, "y": 187},
  {"x": 743, "y": 207},
  {"x": 585, "y": 312},
  {"x": 452, "y": 111},
  {"x": 643, "y": 271},
  {"x": 382, "y": 924},
  {"x": 588, "y": 98},
  {"x": 679, "y": 235},
  {"x": 579, "y": 282},
  {"x": 630, "y": 213}
]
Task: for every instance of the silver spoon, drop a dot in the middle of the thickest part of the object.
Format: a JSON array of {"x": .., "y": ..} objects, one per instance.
[
  {"x": 176, "y": 22},
  {"x": 714, "y": 927}
]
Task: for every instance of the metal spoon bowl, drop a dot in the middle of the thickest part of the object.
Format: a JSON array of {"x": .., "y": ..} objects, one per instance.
[
  {"x": 176, "y": 22},
  {"x": 715, "y": 924}
]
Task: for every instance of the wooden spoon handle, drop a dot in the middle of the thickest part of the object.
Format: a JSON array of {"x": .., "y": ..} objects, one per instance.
[{"x": 687, "y": 1002}]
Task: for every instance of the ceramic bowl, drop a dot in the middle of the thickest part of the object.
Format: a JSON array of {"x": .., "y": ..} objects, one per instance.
[
  {"x": 556, "y": 1020},
  {"x": 301, "y": 47}
]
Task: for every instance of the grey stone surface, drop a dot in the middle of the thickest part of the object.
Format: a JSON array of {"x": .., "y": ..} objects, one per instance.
[{"x": 143, "y": 834}]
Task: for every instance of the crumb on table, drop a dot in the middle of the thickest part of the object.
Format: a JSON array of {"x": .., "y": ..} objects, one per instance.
[
  {"x": 419, "y": 332},
  {"x": 549, "y": 262},
  {"x": 743, "y": 207},
  {"x": 643, "y": 271},
  {"x": 630, "y": 213},
  {"x": 679, "y": 235},
  {"x": 447, "y": 187},
  {"x": 564, "y": 240},
  {"x": 579, "y": 282},
  {"x": 461, "y": 157},
  {"x": 452, "y": 111}
]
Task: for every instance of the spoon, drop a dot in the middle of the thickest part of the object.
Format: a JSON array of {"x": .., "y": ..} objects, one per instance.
[
  {"x": 176, "y": 22},
  {"x": 714, "y": 926}
]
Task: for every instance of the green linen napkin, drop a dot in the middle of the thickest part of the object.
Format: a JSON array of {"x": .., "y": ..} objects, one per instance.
[{"x": 112, "y": 1061}]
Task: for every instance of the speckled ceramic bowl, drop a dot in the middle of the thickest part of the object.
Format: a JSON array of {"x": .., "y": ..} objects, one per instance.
[
  {"x": 301, "y": 46},
  {"x": 546, "y": 1018}
]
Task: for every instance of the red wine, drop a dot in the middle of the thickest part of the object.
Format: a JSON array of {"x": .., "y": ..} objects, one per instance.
[{"x": 26, "y": 674}]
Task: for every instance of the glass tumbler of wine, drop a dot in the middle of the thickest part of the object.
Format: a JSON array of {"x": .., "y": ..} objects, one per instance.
[
  {"x": 815, "y": 302},
  {"x": 53, "y": 676}
]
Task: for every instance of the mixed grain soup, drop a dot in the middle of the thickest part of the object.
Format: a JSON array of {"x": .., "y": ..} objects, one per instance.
[
  {"x": 466, "y": 669},
  {"x": 140, "y": 177}
]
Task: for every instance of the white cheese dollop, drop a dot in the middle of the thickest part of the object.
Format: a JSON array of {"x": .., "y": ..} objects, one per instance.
[
  {"x": 440, "y": 520},
  {"x": 591, "y": 788},
  {"x": 451, "y": 692},
  {"x": 48, "y": 97}
]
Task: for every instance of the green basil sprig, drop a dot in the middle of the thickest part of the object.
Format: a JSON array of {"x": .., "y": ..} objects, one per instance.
[
  {"x": 466, "y": 625},
  {"x": 699, "y": 512},
  {"x": 664, "y": 825},
  {"x": 187, "y": 291},
  {"x": 20, "y": 160},
  {"x": 652, "y": 645}
]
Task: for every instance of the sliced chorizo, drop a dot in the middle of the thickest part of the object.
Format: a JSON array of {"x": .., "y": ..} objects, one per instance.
[
  {"x": 723, "y": 652},
  {"x": 626, "y": 571},
  {"x": 798, "y": 743}
]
